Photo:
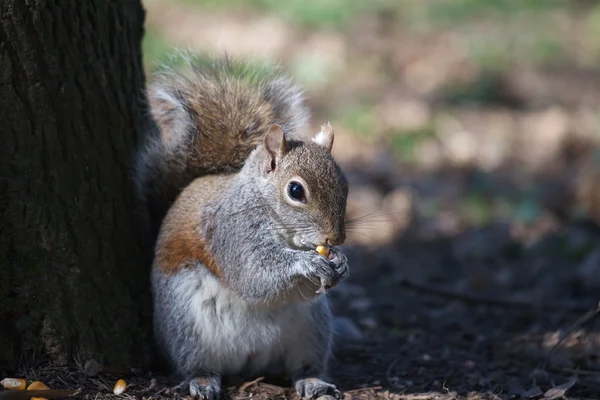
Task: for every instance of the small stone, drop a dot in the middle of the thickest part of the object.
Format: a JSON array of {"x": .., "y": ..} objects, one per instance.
[{"x": 92, "y": 368}]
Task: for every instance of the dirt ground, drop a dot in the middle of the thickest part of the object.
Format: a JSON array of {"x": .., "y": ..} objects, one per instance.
[
  {"x": 435, "y": 329},
  {"x": 475, "y": 198}
]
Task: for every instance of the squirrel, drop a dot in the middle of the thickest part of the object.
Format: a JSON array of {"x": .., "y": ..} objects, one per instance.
[{"x": 240, "y": 194}]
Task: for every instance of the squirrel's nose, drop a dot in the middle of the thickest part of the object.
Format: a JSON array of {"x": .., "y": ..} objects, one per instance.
[{"x": 336, "y": 238}]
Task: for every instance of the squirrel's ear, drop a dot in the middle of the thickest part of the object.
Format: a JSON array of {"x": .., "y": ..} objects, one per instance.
[
  {"x": 325, "y": 136},
  {"x": 276, "y": 146}
]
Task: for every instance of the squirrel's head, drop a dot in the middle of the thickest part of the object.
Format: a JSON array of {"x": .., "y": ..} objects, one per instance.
[{"x": 305, "y": 186}]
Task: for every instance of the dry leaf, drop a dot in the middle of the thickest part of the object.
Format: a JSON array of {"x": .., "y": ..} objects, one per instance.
[{"x": 560, "y": 390}]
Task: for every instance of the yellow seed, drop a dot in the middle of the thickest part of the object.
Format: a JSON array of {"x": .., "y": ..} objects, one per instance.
[
  {"x": 37, "y": 385},
  {"x": 323, "y": 250},
  {"x": 120, "y": 387},
  {"x": 13, "y": 383}
]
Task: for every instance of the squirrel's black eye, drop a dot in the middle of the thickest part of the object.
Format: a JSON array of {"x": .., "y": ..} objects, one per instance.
[{"x": 296, "y": 191}]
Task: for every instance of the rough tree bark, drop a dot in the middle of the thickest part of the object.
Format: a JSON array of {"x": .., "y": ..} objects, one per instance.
[{"x": 73, "y": 278}]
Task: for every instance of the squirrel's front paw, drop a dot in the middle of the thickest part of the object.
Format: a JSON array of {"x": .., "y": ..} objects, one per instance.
[
  {"x": 331, "y": 270},
  {"x": 205, "y": 388},
  {"x": 312, "y": 388}
]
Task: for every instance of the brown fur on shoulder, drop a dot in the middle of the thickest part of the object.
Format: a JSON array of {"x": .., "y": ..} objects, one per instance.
[
  {"x": 182, "y": 248},
  {"x": 181, "y": 243}
]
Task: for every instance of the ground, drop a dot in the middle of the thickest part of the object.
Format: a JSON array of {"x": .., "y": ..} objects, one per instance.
[
  {"x": 469, "y": 134},
  {"x": 432, "y": 332}
]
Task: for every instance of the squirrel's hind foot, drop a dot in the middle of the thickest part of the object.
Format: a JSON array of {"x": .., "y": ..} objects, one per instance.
[
  {"x": 205, "y": 388},
  {"x": 313, "y": 388}
]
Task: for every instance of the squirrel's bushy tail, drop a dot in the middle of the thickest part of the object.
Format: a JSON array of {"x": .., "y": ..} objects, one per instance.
[{"x": 211, "y": 113}]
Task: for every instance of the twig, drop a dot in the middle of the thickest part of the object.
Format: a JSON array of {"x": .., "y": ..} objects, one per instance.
[
  {"x": 273, "y": 388},
  {"x": 388, "y": 374},
  {"x": 246, "y": 385},
  {"x": 161, "y": 391},
  {"x": 27, "y": 394},
  {"x": 415, "y": 396},
  {"x": 474, "y": 298},
  {"x": 588, "y": 316}
]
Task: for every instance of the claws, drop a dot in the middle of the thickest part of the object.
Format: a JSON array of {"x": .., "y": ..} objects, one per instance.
[
  {"x": 323, "y": 289},
  {"x": 331, "y": 271},
  {"x": 205, "y": 389},
  {"x": 315, "y": 388}
]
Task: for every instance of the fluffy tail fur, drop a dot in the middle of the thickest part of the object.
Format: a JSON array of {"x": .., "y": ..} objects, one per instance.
[{"x": 211, "y": 113}]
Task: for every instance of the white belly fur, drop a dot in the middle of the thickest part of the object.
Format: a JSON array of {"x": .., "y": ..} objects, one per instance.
[{"x": 235, "y": 335}]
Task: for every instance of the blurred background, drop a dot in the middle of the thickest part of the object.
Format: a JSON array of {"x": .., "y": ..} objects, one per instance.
[
  {"x": 469, "y": 130},
  {"x": 477, "y": 110}
]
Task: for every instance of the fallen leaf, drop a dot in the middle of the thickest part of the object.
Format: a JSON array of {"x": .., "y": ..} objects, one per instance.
[{"x": 560, "y": 390}]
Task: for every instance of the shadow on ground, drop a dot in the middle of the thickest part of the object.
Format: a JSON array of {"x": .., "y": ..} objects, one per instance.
[
  {"x": 504, "y": 310},
  {"x": 492, "y": 312}
]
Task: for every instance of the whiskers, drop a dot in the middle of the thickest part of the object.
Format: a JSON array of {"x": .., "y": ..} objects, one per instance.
[
  {"x": 371, "y": 225},
  {"x": 366, "y": 227}
]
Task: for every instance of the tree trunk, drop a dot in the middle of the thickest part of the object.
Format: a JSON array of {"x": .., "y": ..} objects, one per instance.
[{"x": 73, "y": 274}]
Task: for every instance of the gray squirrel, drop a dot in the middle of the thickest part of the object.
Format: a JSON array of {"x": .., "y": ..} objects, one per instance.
[{"x": 240, "y": 194}]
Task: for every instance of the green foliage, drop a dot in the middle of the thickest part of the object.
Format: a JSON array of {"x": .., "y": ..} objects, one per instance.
[
  {"x": 311, "y": 70},
  {"x": 498, "y": 33},
  {"x": 496, "y": 49},
  {"x": 593, "y": 27},
  {"x": 332, "y": 14},
  {"x": 154, "y": 49},
  {"x": 528, "y": 210},
  {"x": 478, "y": 209},
  {"x": 405, "y": 143},
  {"x": 359, "y": 119},
  {"x": 594, "y": 21},
  {"x": 453, "y": 11},
  {"x": 484, "y": 90},
  {"x": 317, "y": 13}
]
